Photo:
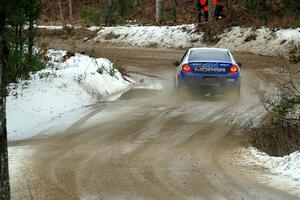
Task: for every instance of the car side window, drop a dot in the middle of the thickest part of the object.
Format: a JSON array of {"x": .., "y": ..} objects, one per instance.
[{"x": 183, "y": 56}]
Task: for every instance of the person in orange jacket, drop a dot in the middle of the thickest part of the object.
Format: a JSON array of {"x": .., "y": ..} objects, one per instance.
[{"x": 203, "y": 4}]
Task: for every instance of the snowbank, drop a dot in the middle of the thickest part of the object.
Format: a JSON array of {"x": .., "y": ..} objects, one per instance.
[
  {"x": 261, "y": 41},
  {"x": 288, "y": 166},
  {"x": 283, "y": 171},
  {"x": 60, "y": 27},
  {"x": 64, "y": 86},
  {"x": 151, "y": 36},
  {"x": 50, "y": 27}
]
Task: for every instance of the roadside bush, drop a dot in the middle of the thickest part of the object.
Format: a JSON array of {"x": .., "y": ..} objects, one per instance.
[
  {"x": 296, "y": 24},
  {"x": 116, "y": 66},
  {"x": 19, "y": 65},
  {"x": 92, "y": 15},
  {"x": 22, "y": 57},
  {"x": 279, "y": 135},
  {"x": 294, "y": 55},
  {"x": 95, "y": 15},
  {"x": 124, "y": 9},
  {"x": 279, "y": 13}
]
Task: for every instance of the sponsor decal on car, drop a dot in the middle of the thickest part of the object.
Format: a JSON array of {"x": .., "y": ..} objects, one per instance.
[{"x": 209, "y": 69}]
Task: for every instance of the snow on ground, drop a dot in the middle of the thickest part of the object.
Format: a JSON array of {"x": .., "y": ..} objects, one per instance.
[
  {"x": 261, "y": 41},
  {"x": 282, "y": 172},
  {"x": 60, "y": 27},
  {"x": 50, "y": 27},
  {"x": 151, "y": 36},
  {"x": 63, "y": 87}
]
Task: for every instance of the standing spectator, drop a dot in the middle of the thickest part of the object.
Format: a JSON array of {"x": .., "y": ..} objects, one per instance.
[
  {"x": 219, "y": 14},
  {"x": 199, "y": 11},
  {"x": 203, "y": 5}
]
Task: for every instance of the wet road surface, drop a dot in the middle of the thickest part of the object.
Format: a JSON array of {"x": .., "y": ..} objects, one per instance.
[{"x": 149, "y": 144}]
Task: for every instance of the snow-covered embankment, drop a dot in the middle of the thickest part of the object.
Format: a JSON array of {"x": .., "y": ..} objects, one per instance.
[
  {"x": 281, "y": 172},
  {"x": 181, "y": 36},
  {"x": 261, "y": 41},
  {"x": 64, "y": 86}
]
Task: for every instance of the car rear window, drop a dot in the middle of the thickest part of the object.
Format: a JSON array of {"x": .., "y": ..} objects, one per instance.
[{"x": 209, "y": 55}]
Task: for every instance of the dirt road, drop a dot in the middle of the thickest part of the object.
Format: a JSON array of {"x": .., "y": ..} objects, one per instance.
[{"x": 148, "y": 144}]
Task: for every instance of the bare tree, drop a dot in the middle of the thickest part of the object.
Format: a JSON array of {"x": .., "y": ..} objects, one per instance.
[
  {"x": 60, "y": 10},
  {"x": 289, "y": 95},
  {"x": 159, "y": 11},
  {"x": 4, "y": 175},
  {"x": 70, "y": 10}
]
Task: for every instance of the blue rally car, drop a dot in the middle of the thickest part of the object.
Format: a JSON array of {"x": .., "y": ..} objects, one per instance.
[{"x": 211, "y": 70}]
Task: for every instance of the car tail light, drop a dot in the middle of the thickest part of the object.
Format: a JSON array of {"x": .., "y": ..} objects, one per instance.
[
  {"x": 233, "y": 69},
  {"x": 186, "y": 68}
]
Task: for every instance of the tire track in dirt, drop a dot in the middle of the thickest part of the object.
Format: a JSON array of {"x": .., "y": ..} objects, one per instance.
[{"x": 156, "y": 148}]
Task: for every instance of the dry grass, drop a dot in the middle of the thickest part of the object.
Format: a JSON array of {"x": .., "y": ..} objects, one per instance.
[
  {"x": 294, "y": 55},
  {"x": 282, "y": 22},
  {"x": 233, "y": 18},
  {"x": 276, "y": 137},
  {"x": 67, "y": 32}
]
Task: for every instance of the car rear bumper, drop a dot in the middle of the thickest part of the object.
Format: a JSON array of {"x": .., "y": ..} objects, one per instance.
[{"x": 218, "y": 84}]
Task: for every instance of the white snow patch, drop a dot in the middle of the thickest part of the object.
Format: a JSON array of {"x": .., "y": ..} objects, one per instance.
[
  {"x": 153, "y": 36},
  {"x": 57, "y": 27},
  {"x": 94, "y": 28},
  {"x": 66, "y": 86},
  {"x": 260, "y": 41},
  {"x": 284, "y": 172},
  {"x": 50, "y": 27},
  {"x": 60, "y": 27}
]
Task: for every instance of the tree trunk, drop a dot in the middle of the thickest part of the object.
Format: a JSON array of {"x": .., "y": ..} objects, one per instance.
[
  {"x": 4, "y": 176},
  {"x": 108, "y": 12},
  {"x": 159, "y": 11},
  {"x": 70, "y": 10},
  {"x": 211, "y": 10},
  {"x": 60, "y": 11},
  {"x": 30, "y": 36}
]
